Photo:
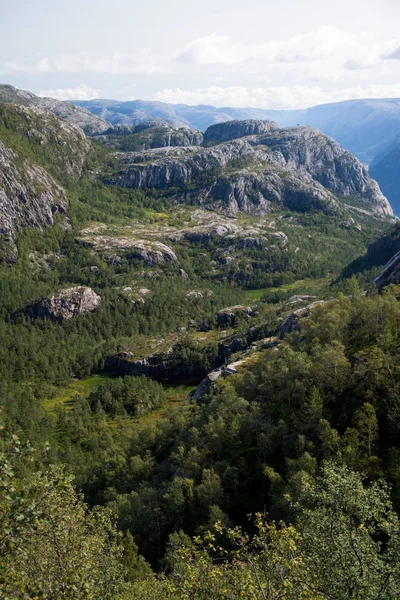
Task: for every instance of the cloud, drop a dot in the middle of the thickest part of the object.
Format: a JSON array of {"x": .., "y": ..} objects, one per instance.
[
  {"x": 294, "y": 72},
  {"x": 394, "y": 55},
  {"x": 84, "y": 62},
  {"x": 323, "y": 52},
  {"x": 82, "y": 92},
  {"x": 324, "y": 45},
  {"x": 279, "y": 97}
]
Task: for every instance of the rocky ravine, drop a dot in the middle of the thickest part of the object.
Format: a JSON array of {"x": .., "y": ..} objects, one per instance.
[{"x": 296, "y": 167}]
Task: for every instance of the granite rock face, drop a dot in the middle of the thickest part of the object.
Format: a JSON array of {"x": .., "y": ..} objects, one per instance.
[
  {"x": 231, "y": 130},
  {"x": 297, "y": 167},
  {"x": 389, "y": 274},
  {"x": 228, "y": 317},
  {"x": 29, "y": 196},
  {"x": 152, "y": 252},
  {"x": 29, "y": 193},
  {"x": 67, "y": 303}
]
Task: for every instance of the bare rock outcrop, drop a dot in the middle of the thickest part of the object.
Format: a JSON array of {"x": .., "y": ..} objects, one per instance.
[
  {"x": 228, "y": 317},
  {"x": 67, "y": 303},
  {"x": 299, "y": 167},
  {"x": 389, "y": 274},
  {"x": 30, "y": 173},
  {"x": 230, "y": 130},
  {"x": 150, "y": 135},
  {"x": 151, "y": 252}
]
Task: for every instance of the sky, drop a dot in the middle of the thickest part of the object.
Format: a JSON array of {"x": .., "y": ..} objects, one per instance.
[{"x": 248, "y": 53}]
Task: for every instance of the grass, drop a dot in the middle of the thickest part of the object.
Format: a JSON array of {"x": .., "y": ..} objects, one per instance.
[
  {"x": 301, "y": 286},
  {"x": 81, "y": 387}
]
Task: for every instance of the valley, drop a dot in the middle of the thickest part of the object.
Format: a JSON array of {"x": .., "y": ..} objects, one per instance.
[{"x": 196, "y": 327}]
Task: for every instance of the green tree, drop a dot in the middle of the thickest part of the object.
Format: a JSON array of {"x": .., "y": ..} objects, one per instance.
[
  {"x": 350, "y": 536},
  {"x": 52, "y": 546}
]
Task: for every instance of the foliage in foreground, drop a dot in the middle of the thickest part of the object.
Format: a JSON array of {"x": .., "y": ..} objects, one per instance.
[{"x": 345, "y": 544}]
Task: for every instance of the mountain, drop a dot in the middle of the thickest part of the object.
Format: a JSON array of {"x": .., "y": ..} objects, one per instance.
[
  {"x": 366, "y": 128},
  {"x": 385, "y": 168},
  {"x": 199, "y": 117},
  {"x": 38, "y": 154},
  {"x": 298, "y": 167},
  {"x": 363, "y": 127},
  {"x": 72, "y": 113}
]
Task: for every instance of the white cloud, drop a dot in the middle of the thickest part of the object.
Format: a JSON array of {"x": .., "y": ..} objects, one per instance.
[
  {"x": 274, "y": 97},
  {"x": 322, "y": 52},
  {"x": 84, "y": 62},
  {"x": 82, "y": 92},
  {"x": 324, "y": 45},
  {"x": 294, "y": 72}
]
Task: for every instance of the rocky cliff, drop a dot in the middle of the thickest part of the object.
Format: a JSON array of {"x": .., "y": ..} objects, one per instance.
[
  {"x": 386, "y": 249},
  {"x": 389, "y": 274},
  {"x": 37, "y": 151},
  {"x": 28, "y": 196},
  {"x": 297, "y": 167}
]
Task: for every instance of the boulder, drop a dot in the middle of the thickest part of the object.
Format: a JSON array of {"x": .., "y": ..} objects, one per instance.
[
  {"x": 227, "y": 317},
  {"x": 67, "y": 303}
]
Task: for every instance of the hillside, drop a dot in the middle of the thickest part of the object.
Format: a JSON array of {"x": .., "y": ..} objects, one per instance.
[
  {"x": 72, "y": 113},
  {"x": 39, "y": 153},
  {"x": 385, "y": 168}
]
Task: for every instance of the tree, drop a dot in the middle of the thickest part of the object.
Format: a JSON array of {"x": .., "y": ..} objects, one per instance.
[
  {"x": 350, "y": 536},
  {"x": 51, "y": 545}
]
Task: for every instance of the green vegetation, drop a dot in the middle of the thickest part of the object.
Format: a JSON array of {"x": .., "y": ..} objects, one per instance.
[{"x": 280, "y": 482}]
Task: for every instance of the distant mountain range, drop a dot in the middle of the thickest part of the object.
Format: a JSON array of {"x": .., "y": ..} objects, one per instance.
[{"x": 364, "y": 127}]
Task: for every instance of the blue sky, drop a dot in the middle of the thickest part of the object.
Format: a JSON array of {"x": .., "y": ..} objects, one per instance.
[{"x": 223, "y": 52}]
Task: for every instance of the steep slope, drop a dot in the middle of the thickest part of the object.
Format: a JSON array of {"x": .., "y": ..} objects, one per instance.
[
  {"x": 297, "y": 167},
  {"x": 364, "y": 127},
  {"x": 70, "y": 112},
  {"x": 37, "y": 152},
  {"x": 385, "y": 168}
]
